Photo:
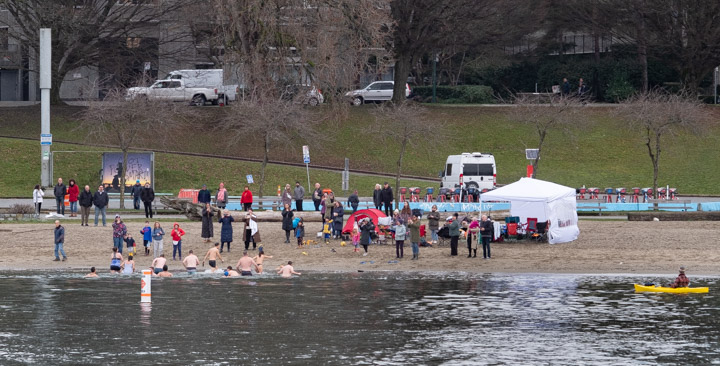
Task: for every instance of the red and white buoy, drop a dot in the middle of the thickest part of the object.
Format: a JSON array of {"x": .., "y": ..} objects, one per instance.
[{"x": 145, "y": 294}]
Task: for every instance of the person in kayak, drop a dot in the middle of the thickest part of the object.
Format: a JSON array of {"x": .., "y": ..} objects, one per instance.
[{"x": 681, "y": 280}]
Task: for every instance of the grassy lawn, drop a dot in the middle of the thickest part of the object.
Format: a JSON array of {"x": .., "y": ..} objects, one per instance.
[
  {"x": 21, "y": 171},
  {"x": 601, "y": 153}
]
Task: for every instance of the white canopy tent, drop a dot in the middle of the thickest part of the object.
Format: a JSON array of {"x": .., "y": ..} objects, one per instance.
[{"x": 543, "y": 200}]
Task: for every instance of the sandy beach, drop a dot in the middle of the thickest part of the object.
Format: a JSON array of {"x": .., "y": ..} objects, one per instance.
[{"x": 607, "y": 247}]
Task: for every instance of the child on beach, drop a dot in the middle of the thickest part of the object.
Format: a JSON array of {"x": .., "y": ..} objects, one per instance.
[
  {"x": 300, "y": 233},
  {"x": 355, "y": 240},
  {"x": 327, "y": 230},
  {"x": 130, "y": 243},
  {"x": 147, "y": 237}
]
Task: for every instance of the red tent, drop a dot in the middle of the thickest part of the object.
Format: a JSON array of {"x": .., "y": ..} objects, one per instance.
[{"x": 372, "y": 213}]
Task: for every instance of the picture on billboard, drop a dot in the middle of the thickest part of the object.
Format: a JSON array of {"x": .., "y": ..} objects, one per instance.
[{"x": 139, "y": 167}]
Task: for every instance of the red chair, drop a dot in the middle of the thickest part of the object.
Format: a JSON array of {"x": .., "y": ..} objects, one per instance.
[
  {"x": 403, "y": 192},
  {"x": 531, "y": 227},
  {"x": 636, "y": 195}
]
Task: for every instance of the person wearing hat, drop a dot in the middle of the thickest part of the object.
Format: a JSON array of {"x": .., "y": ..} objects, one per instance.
[
  {"x": 136, "y": 189},
  {"x": 204, "y": 196},
  {"x": 454, "y": 235},
  {"x": 681, "y": 280},
  {"x": 119, "y": 232}
]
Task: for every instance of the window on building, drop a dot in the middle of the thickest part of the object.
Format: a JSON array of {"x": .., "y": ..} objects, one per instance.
[
  {"x": 133, "y": 42},
  {"x": 4, "y": 38}
]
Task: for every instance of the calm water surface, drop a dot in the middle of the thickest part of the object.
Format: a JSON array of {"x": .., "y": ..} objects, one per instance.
[{"x": 365, "y": 318}]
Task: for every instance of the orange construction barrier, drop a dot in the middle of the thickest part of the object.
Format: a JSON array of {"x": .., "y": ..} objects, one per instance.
[
  {"x": 191, "y": 194},
  {"x": 67, "y": 200}
]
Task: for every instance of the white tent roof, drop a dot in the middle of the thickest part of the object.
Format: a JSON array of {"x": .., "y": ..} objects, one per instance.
[{"x": 529, "y": 190}]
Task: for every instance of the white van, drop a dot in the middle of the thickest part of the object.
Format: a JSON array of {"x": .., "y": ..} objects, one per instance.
[{"x": 469, "y": 170}]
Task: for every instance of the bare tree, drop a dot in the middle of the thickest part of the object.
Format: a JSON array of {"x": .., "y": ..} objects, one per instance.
[
  {"x": 88, "y": 32},
  {"x": 127, "y": 123},
  {"x": 659, "y": 115},
  {"x": 406, "y": 125},
  {"x": 558, "y": 115},
  {"x": 275, "y": 121}
]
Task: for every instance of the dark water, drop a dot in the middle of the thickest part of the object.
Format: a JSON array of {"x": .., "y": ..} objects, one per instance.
[{"x": 363, "y": 318}]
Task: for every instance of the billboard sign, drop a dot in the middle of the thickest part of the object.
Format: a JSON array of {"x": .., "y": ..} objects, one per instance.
[{"x": 139, "y": 167}]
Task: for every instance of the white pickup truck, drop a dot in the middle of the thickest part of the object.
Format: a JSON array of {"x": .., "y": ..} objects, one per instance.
[{"x": 174, "y": 91}]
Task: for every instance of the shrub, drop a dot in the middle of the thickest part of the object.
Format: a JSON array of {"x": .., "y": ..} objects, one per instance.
[
  {"x": 21, "y": 209},
  {"x": 619, "y": 89},
  {"x": 477, "y": 94}
]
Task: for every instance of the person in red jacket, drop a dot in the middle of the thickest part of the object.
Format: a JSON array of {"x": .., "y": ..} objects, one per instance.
[
  {"x": 176, "y": 235},
  {"x": 246, "y": 199},
  {"x": 73, "y": 191}
]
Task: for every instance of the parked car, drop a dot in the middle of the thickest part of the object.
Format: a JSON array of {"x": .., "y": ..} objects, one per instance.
[
  {"x": 375, "y": 92},
  {"x": 304, "y": 94},
  {"x": 174, "y": 91}
]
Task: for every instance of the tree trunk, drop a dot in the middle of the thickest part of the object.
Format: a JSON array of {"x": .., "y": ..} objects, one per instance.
[
  {"x": 541, "y": 134},
  {"x": 399, "y": 171},
  {"x": 264, "y": 164},
  {"x": 122, "y": 178},
  {"x": 402, "y": 70},
  {"x": 656, "y": 166},
  {"x": 642, "y": 53}
]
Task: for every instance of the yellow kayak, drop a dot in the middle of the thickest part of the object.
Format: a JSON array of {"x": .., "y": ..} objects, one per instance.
[{"x": 679, "y": 290}]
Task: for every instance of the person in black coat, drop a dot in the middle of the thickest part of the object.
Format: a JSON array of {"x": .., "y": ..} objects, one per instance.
[
  {"x": 60, "y": 190},
  {"x": 86, "y": 201},
  {"x": 100, "y": 200},
  {"x": 136, "y": 190},
  {"x": 377, "y": 197},
  {"x": 486, "y": 234},
  {"x": 204, "y": 196},
  {"x": 338, "y": 213},
  {"x": 366, "y": 229},
  {"x": 226, "y": 231},
  {"x": 287, "y": 219},
  {"x": 354, "y": 201},
  {"x": 387, "y": 199},
  {"x": 147, "y": 195}
]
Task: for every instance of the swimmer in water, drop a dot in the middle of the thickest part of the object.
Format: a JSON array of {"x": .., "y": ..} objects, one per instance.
[
  {"x": 165, "y": 272},
  {"x": 92, "y": 273},
  {"x": 128, "y": 267},
  {"x": 191, "y": 262},
  {"x": 246, "y": 264},
  {"x": 287, "y": 271},
  {"x": 158, "y": 263},
  {"x": 115, "y": 261},
  {"x": 259, "y": 260},
  {"x": 230, "y": 272},
  {"x": 212, "y": 255}
]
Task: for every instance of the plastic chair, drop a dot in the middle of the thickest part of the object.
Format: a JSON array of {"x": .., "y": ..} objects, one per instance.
[{"x": 531, "y": 225}]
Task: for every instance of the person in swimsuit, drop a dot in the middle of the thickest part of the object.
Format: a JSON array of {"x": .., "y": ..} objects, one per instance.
[
  {"x": 212, "y": 255},
  {"x": 246, "y": 264},
  {"x": 115, "y": 261},
  {"x": 158, "y": 263},
  {"x": 230, "y": 272},
  {"x": 259, "y": 260},
  {"x": 287, "y": 271},
  {"x": 128, "y": 267},
  {"x": 191, "y": 262},
  {"x": 92, "y": 273},
  {"x": 165, "y": 272}
]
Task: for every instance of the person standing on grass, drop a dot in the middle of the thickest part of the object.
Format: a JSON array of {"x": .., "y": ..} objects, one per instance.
[
  {"x": 119, "y": 232},
  {"x": 287, "y": 222},
  {"x": 377, "y": 197},
  {"x": 366, "y": 229},
  {"x": 387, "y": 199},
  {"x": 38, "y": 195},
  {"x": 147, "y": 196},
  {"x": 86, "y": 201},
  {"x": 434, "y": 224},
  {"x": 486, "y": 233},
  {"x": 177, "y": 234},
  {"x": 226, "y": 230},
  {"x": 287, "y": 196},
  {"x": 414, "y": 227},
  {"x": 317, "y": 196},
  {"x": 101, "y": 200},
  {"x": 354, "y": 201},
  {"x": 73, "y": 192},
  {"x": 454, "y": 229},
  {"x": 221, "y": 197},
  {"x": 246, "y": 199},
  {"x": 204, "y": 196},
  {"x": 157, "y": 236},
  {"x": 59, "y": 241},
  {"x": 136, "y": 191},
  {"x": 60, "y": 191},
  {"x": 207, "y": 222},
  {"x": 299, "y": 195}
]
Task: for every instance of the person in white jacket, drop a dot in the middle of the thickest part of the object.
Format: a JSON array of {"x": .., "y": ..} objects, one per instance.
[{"x": 38, "y": 194}]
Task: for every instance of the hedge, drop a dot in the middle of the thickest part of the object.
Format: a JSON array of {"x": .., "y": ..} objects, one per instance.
[{"x": 480, "y": 94}]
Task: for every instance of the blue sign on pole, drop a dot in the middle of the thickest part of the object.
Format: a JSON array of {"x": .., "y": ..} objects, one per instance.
[
  {"x": 45, "y": 139},
  {"x": 306, "y": 160},
  {"x": 249, "y": 178}
]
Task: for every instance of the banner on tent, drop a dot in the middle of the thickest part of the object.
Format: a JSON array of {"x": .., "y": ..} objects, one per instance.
[{"x": 458, "y": 206}]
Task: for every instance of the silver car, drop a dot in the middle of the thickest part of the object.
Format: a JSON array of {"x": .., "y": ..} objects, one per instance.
[{"x": 377, "y": 91}]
